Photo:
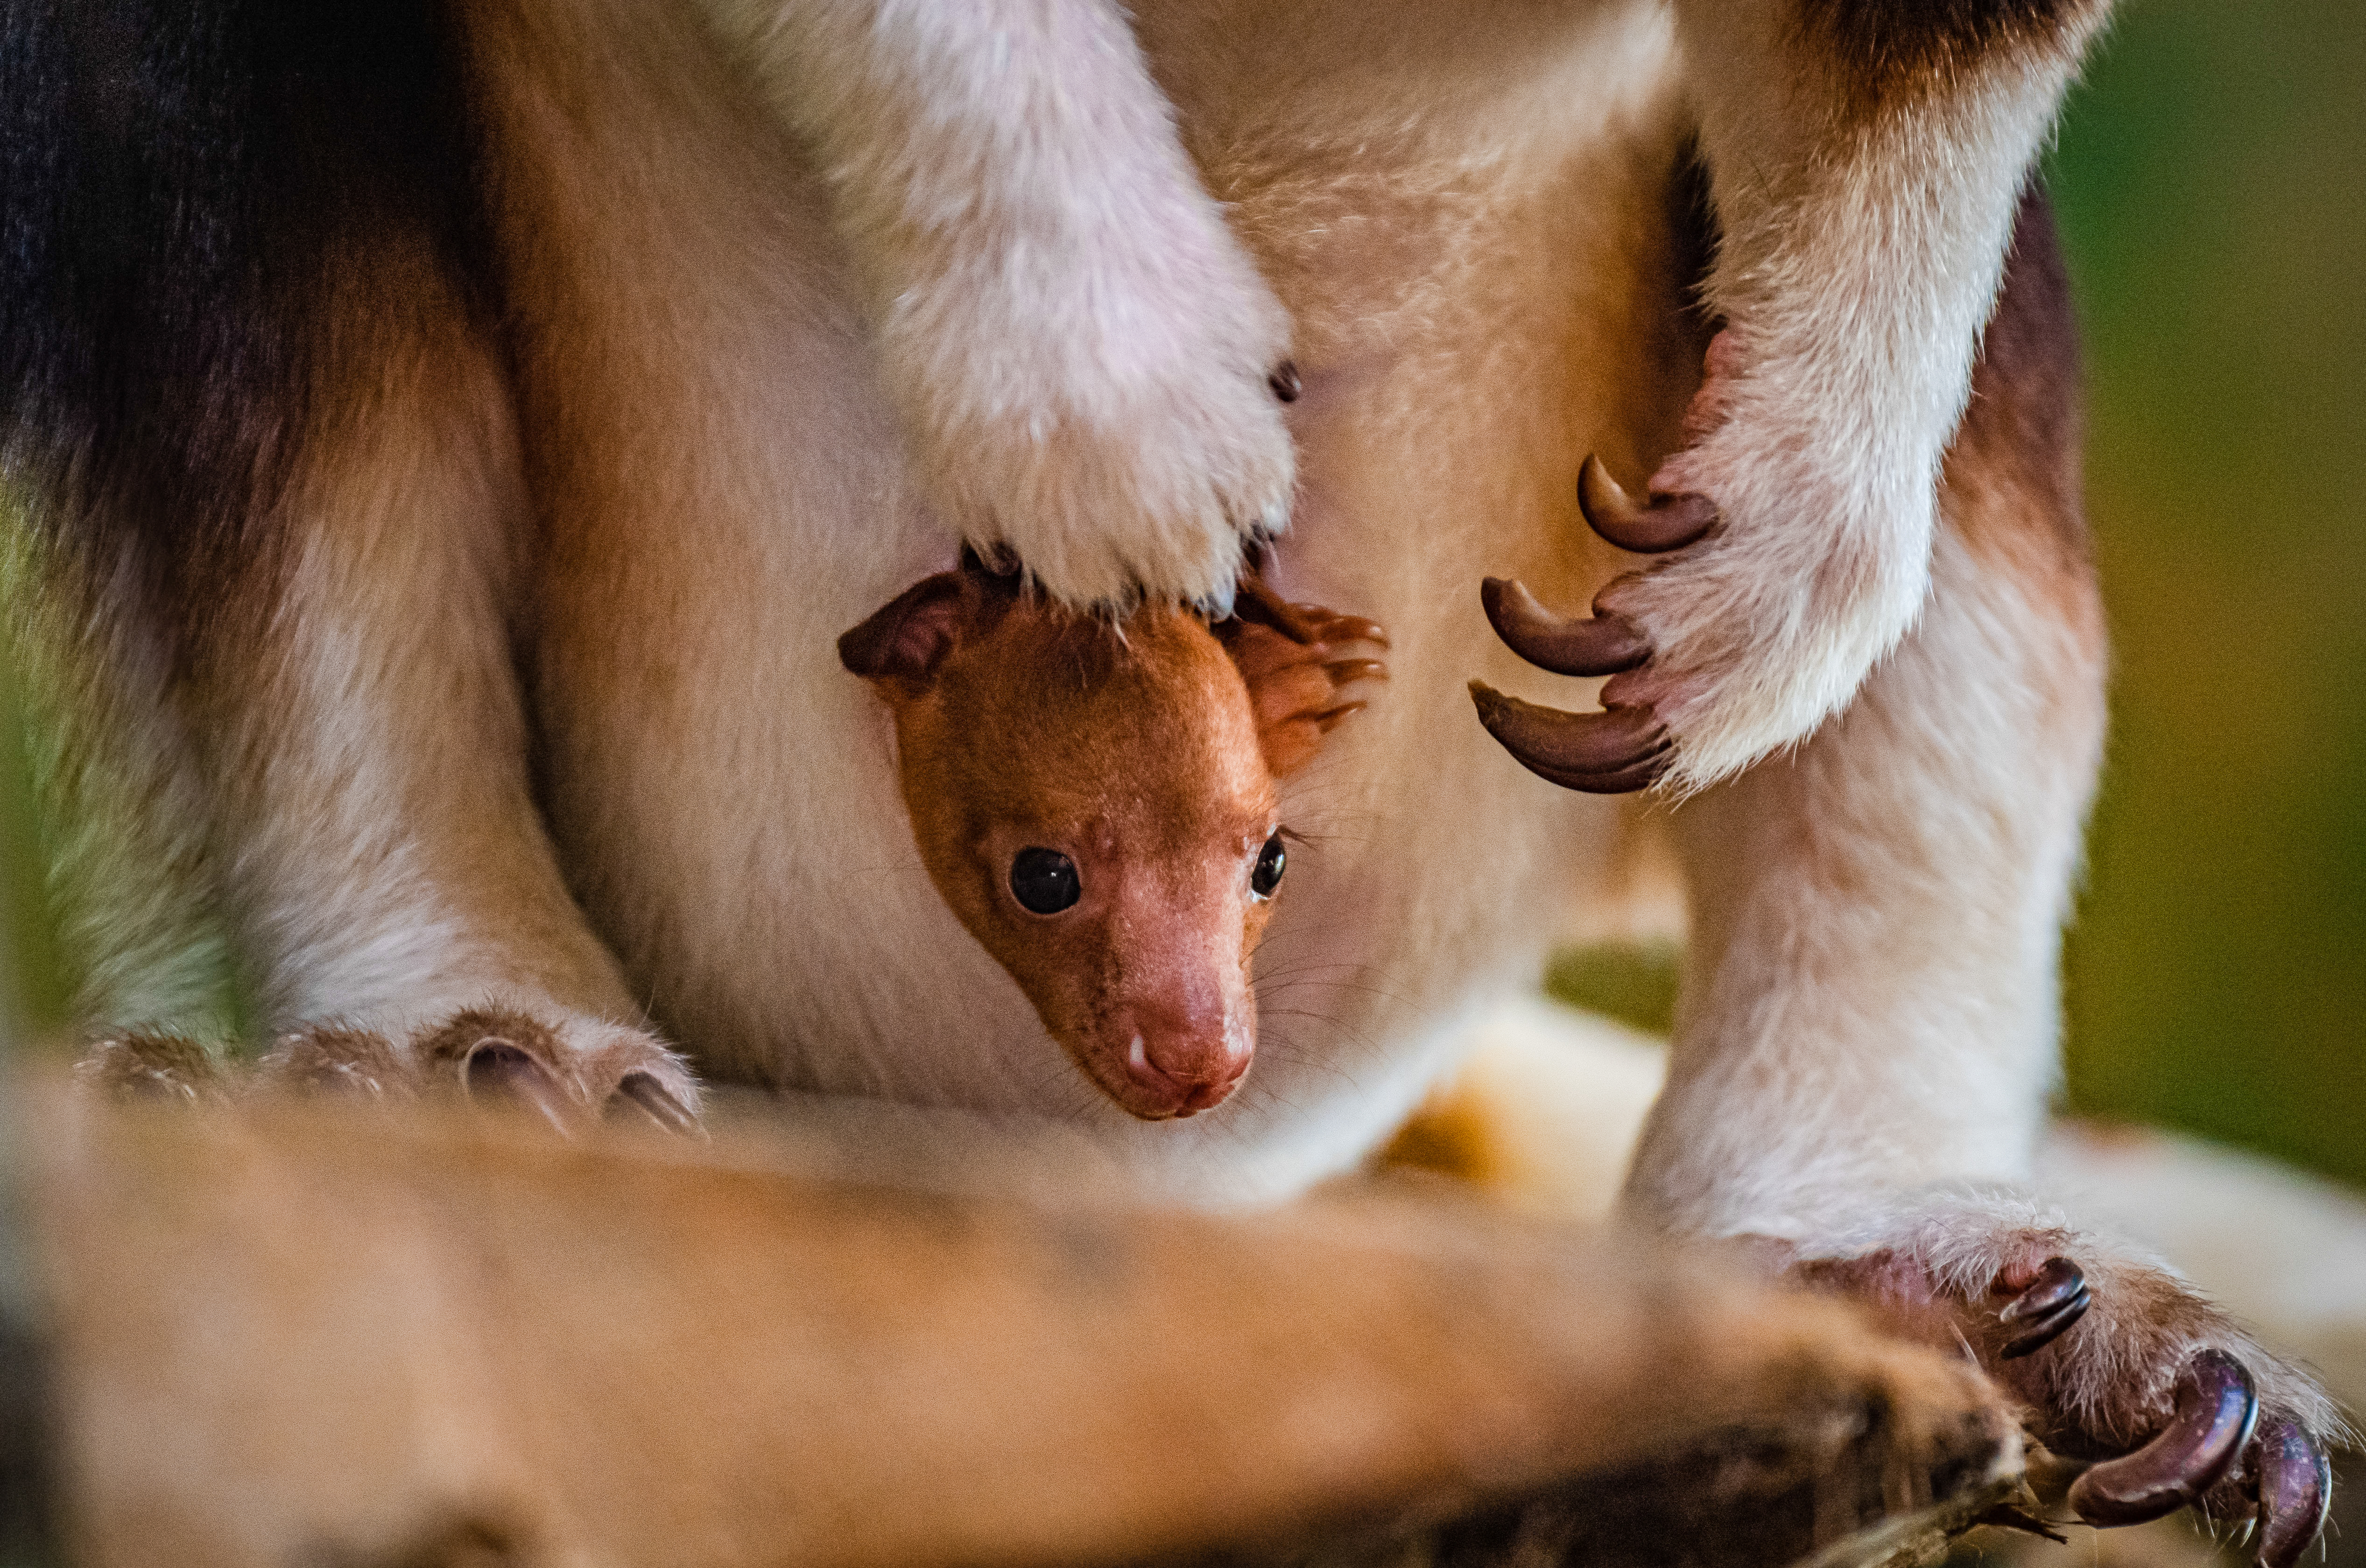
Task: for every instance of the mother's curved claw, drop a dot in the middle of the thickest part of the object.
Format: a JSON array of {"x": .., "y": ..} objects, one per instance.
[
  {"x": 642, "y": 1093},
  {"x": 495, "y": 1068},
  {"x": 1668, "y": 524},
  {"x": 1604, "y": 645},
  {"x": 2295, "y": 1482},
  {"x": 1611, "y": 752},
  {"x": 2051, "y": 1303},
  {"x": 2217, "y": 1408}
]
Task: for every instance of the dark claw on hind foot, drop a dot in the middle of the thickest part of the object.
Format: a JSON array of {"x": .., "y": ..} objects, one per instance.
[
  {"x": 497, "y": 1068},
  {"x": 2215, "y": 1410},
  {"x": 1668, "y": 523},
  {"x": 641, "y": 1093},
  {"x": 2295, "y": 1484},
  {"x": 1604, "y": 645},
  {"x": 1610, "y": 753},
  {"x": 2057, "y": 1298}
]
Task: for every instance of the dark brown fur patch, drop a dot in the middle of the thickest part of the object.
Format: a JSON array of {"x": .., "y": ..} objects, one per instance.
[
  {"x": 2013, "y": 469},
  {"x": 188, "y": 192},
  {"x": 1893, "y": 50}
]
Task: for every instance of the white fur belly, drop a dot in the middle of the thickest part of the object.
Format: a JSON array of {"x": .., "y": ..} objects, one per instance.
[{"x": 734, "y": 495}]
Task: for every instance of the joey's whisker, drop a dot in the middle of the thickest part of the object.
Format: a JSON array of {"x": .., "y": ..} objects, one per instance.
[{"x": 1284, "y": 983}]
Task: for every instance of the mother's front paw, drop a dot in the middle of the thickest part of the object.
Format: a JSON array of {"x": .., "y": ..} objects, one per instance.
[
  {"x": 1790, "y": 562},
  {"x": 1111, "y": 414},
  {"x": 1154, "y": 491}
]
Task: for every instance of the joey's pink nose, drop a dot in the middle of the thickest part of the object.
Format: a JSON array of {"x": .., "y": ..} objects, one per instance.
[{"x": 1179, "y": 1066}]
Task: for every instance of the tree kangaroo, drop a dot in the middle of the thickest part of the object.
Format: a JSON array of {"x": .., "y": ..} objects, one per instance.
[{"x": 448, "y": 443}]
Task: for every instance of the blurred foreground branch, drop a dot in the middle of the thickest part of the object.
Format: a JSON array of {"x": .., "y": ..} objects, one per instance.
[{"x": 317, "y": 1333}]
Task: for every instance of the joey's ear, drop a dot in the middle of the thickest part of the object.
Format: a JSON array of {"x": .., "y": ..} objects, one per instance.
[{"x": 910, "y": 635}]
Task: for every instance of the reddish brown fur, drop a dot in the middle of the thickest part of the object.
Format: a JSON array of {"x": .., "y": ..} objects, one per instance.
[
  {"x": 2013, "y": 486},
  {"x": 1148, "y": 754},
  {"x": 2023, "y": 428}
]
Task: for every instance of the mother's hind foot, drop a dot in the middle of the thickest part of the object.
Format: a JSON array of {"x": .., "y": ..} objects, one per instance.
[
  {"x": 2121, "y": 1365},
  {"x": 571, "y": 1070}
]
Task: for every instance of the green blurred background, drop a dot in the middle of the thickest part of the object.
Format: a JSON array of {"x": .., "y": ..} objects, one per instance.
[{"x": 2212, "y": 180}]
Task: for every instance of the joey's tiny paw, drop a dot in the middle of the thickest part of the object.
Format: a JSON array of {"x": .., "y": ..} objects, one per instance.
[
  {"x": 155, "y": 1066},
  {"x": 2121, "y": 1366},
  {"x": 1307, "y": 668},
  {"x": 1784, "y": 576},
  {"x": 572, "y": 1074}
]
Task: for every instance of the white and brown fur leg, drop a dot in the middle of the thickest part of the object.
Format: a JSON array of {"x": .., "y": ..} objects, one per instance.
[
  {"x": 1864, "y": 1052},
  {"x": 365, "y": 730},
  {"x": 1864, "y": 158},
  {"x": 1088, "y": 367},
  {"x": 277, "y": 523}
]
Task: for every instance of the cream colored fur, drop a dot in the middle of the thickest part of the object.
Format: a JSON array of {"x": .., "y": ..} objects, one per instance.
[
  {"x": 1089, "y": 386},
  {"x": 738, "y": 841},
  {"x": 738, "y": 274},
  {"x": 1858, "y": 260},
  {"x": 796, "y": 297},
  {"x": 1844, "y": 1045}
]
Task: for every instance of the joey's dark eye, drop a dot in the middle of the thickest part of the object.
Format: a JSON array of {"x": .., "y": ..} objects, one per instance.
[
  {"x": 1043, "y": 881},
  {"x": 1272, "y": 861}
]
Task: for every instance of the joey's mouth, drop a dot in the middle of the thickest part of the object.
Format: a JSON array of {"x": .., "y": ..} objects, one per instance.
[{"x": 1166, "y": 1079}]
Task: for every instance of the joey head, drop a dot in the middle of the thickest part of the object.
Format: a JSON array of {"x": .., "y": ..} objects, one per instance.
[{"x": 1098, "y": 802}]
